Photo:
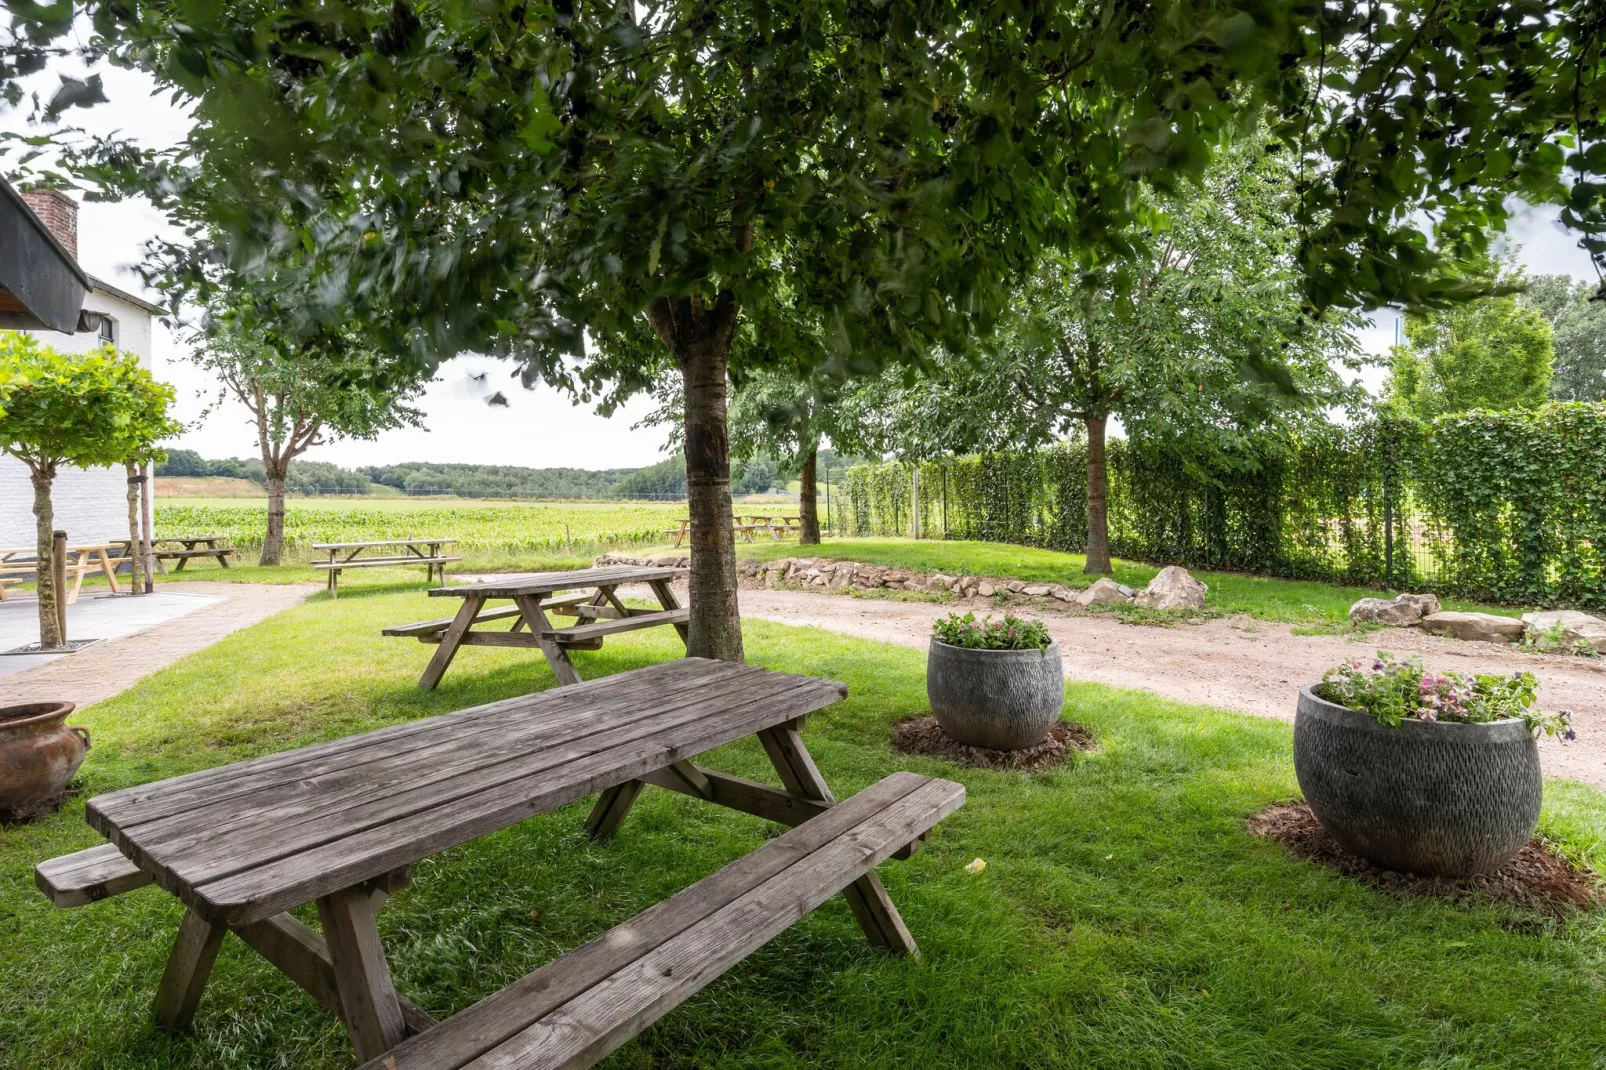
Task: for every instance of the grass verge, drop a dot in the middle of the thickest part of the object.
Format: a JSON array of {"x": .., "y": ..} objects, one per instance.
[{"x": 1125, "y": 918}]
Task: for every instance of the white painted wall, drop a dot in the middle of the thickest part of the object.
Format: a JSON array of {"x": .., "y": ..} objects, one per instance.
[{"x": 92, "y": 505}]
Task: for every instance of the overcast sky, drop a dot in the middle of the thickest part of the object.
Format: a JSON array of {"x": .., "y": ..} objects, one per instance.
[{"x": 539, "y": 428}]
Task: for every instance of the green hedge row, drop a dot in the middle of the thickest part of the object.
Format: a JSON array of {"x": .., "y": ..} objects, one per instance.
[{"x": 1504, "y": 506}]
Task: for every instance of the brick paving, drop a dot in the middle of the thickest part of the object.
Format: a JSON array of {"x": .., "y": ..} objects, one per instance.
[{"x": 106, "y": 668}]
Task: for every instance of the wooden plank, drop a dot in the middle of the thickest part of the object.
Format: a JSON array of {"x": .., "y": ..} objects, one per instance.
[
  {"x": 424, "y": 627},
  {"x": 395, "y": 791},
  {"x": 188, "y": 967},
  {"x": 750, "y": 797},
  {"x": 613, "y": 806},
  {"x": 146, "y": 802},
  {"x": 450, "y": 640},
  {"x": 436, "y": 821},
  {"x": 502, "y": 1014},
  {"x": 584, "y": 632},
  {"x": 382, "y": 542},
  {"x": 667, "y": 599},
  {"x": 362, "y": 978},
  {"x": 277, "y": 804},
  {"x": 540, "y": 628},
  {"x": 386, "y": 562},
  {"x": 548, "y": 582},
  {"x": 88, "y": 876},
  {"x": 584, "y": 1029}
]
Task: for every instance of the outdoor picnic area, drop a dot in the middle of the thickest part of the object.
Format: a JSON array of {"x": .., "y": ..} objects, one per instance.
[{"x": 954, "y": 536}]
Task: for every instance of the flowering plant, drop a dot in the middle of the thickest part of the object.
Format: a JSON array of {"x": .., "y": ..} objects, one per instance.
[
  {"x": 1392, "y": 690},
  {"x": 1010, "y": 633}
]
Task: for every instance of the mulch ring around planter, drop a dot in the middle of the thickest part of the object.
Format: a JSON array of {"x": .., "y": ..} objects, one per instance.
[
  {"x": 924, "y": 736},
  {"x": 39, "y": 809},
  {"x": 1537, "y": 878}
]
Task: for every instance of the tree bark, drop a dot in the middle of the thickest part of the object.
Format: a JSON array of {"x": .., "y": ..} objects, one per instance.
[
  {"x": 44, "y": 534},
  {"x": 135, "y": 553},
  {"x": 699, "y": 336},
  {"x": 273, "y": 543},
  {"x": 808, "y": 508},
  {"x": 1098, "y": 496}
]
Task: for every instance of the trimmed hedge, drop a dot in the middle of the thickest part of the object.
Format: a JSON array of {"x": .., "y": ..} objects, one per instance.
[{"x": 1501, "y": 506}]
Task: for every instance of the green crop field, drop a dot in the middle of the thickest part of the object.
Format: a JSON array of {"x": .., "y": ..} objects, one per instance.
[{"x": 477, "y": 525}]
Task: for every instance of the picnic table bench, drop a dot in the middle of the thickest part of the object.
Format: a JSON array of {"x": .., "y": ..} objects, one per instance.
[
  {"x": 340, "y": 824},
  {"x": 744, "y": 524},
  {"x": 592, "y": 601},
  {"x": 193, "y": 546},
  {"x": 426, "y": 552},
  {"x": 104, "y": 557}
]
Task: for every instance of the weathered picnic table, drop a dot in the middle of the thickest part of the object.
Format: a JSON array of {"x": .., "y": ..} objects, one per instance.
[
  {"x": 744, "y": 524},
  {"x": 340, "y": 823},
  {"x": 193, "y": 546},
  {"x": 592, "y": 601},
  {"x": 16, "y": 565},
  {"x": 427, "y": 552}
]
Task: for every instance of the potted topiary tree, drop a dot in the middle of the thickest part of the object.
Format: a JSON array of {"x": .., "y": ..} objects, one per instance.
[
  {"x": 1428, "y": 773},
  {"x": 997, "y": 684}
]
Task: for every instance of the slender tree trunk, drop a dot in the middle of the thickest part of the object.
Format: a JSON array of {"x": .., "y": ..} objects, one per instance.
[
  {"x": 715, "y": 629},
  {"x": 808, "y": 509},
  {"x": 273, "y": 543},
  {"x": 1098, "y": 496},
  {"x": 136, "y": 582},
  {"x": 44, "y": 516}
]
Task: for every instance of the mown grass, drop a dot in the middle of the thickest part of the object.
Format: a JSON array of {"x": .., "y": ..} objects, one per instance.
[
  {"x": 1124, "y": 920},
  {"x": 1264, "y": 597}
]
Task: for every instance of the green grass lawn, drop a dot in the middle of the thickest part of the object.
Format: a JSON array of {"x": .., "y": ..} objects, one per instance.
[
  {"x": 1124, "y": 920},
  {"x": 1231, "y": 592}
]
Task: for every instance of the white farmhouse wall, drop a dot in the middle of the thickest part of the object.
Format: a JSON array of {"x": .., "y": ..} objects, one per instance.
[{"x": 92, "y": 505}]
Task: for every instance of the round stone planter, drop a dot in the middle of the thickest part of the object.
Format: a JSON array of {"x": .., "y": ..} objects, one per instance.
[
  {"x": 1435, "y": 798},
  {"x": 39, "y": 753},
  {"x": 998, "y": 699}
]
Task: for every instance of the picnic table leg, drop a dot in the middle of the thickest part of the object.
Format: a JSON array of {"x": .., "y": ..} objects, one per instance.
[
  {"x": 535, "y": 619},
  {"x": 188, "y": 967},
  {"x": 451, "y": 639},
  {"x": 362, "y": 977},
  {"x": 867, "y": 898},
  {"x": 111, "y": 573},
  {"x": 667, "y": 599},
  {"x": 613, "y": 806}
]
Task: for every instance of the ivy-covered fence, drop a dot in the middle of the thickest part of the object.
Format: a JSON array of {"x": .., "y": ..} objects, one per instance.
[{"x": 1507, "y": 506}]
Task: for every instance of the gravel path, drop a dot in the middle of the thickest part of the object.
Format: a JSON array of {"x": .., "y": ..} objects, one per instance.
[{"x": 1235, "y": 663}]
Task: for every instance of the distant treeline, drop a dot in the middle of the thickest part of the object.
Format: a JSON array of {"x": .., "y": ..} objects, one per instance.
[{"x": 664, "y": 480}]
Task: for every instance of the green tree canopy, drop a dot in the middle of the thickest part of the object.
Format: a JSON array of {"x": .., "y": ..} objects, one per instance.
[
  {"x": 1491, "y": 353},
  {"x": 1578, "y": 333},
  {"x": 85, "y": 410}
]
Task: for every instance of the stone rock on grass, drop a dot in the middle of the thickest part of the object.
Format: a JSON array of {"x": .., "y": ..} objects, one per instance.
[
  {"x": 1104, "y": 592},
  {"x": 1478, "y": 627},
  {"x": 1400, "y": 612},
  {"x": 1036, "y": 590},
  {"x": 1575, "y": 626},
  {"x": 986, "y": 590},
  {"x": 1173, "y": 588}
]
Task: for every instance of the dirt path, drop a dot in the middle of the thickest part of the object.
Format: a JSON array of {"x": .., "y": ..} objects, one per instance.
[{"x": 1235, "y": 663}]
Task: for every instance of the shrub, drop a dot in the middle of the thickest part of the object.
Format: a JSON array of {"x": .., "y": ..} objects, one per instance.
[
  {"x": 1010, "y": 633},
  {"x": 1392, "y": 690}
]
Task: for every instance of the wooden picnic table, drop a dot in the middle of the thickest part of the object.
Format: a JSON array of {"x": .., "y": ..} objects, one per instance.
[
  {"x": 744, "y": 524},
  {"x": 340, "y": 824},
  {"x": 592, "y": 600},
  {"x": 194, "y": 546},
  {"x": 17, "y": 563},
  {"x": 427, "y": 552}
]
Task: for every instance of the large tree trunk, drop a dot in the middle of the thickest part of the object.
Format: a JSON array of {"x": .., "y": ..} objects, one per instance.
[
  {"x": 1098, "y": 497},
  {"x": 808, "y": 508},
  {"x": 44, "y": 516},
  {"x": 273, "y": 543},
  {"x": 699, "y": 336}
]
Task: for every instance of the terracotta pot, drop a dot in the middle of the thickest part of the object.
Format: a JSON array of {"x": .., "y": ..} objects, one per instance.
[{"x": 39, "y": 754}]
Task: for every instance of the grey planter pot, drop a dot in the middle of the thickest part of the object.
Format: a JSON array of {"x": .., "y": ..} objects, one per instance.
[
  {"x": 998, "y": 699},
  {"x": 1426, "y": 797}
]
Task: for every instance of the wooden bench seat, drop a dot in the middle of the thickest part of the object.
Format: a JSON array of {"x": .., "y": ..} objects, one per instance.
[
  {"x": 88, "y": 876},
  {"x": 174, "y": 555},
  {"x": 584, "y": 633},
  {"x": 573, "y": 1011},
  {"x": 387, "y": 562},
  {"x": 568, "y": 605}
]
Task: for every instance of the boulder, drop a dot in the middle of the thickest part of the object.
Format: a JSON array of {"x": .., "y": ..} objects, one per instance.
[
  {"x": 1104, "y": 592},
  {"x": 773, "y": 577},
  {"x": 1016, "y": 586},
  {"x": 842, "y": 577},
  {"x": 1036, "y": 590},
  {"x": 1481, "y": 627},
  {"x": 985, "y": 589},
  {"x": 1064, "y": 594},
  {"x": 1400, "y": 612},
  {"x": 1574, "y": 626},
  {"x": 1173, "y": 588}
]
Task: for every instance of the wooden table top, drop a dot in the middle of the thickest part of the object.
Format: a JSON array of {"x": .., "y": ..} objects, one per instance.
[
  {"x": 242, "y": 842},
  {"x": 381, "y": 542},
  {"x": 548, "y": 582}
]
